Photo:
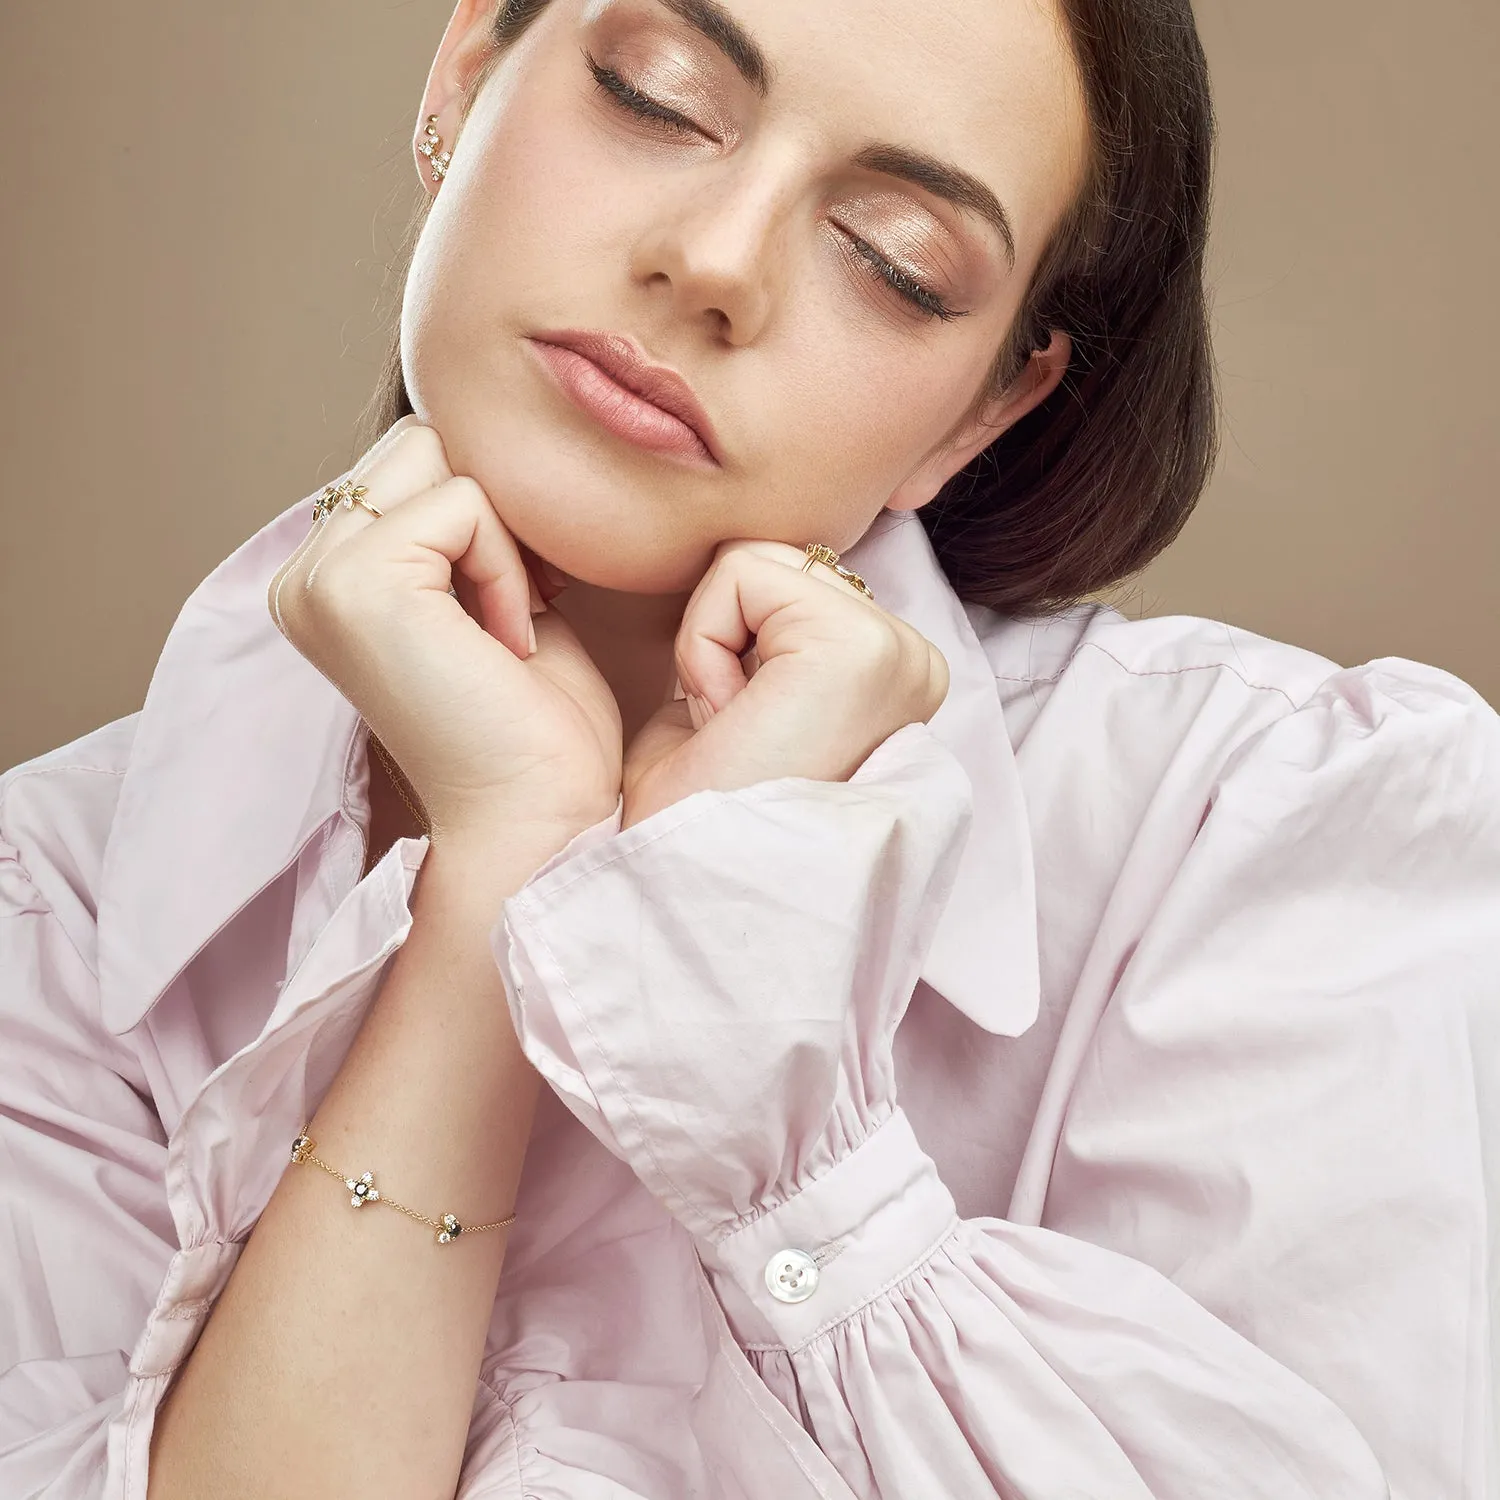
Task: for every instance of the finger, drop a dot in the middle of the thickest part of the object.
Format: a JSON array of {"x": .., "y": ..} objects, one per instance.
[
  {"x": 451, "y": 534},
  {"x": 794, "y": 557},
  {"x": 550, "y": 580},
  {"x": 280, "y": 577},
  {"x": 713, "y": 637},
  {"x": 382, "y": 445},
  {"x": 734, "y": 609},
  {"x": 823, "y": 573},
  {"x": 408, "y": 461}
]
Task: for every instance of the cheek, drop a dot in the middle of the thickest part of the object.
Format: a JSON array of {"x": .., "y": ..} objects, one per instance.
[
  {"x": 522, "y": 225},
  {"x": 853, "y": 427}
]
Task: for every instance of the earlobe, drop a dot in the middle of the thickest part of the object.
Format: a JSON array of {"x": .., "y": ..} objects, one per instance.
[{"x": 1044, "y": 369}]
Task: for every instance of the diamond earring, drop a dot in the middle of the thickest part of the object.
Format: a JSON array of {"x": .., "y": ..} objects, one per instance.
[{"x": 432, "y": 149}]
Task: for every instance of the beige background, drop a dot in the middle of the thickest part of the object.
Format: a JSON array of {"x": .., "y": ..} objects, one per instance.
[{"x": 200, "y": 201}]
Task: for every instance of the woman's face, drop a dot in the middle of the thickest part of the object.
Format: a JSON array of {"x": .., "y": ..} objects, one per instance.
[{"x": 753, "y": 251}]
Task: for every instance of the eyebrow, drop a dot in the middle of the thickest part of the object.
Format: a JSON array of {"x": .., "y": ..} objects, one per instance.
[{"x": 940, "y": 178}]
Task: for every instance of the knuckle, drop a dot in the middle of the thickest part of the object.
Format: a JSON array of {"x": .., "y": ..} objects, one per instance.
[
  {"x": 308, "y": 600},
  {"x": 332, "y": 587},
  {"x": 732, "y": 560},
  {"x": 414, "y": 460},
  {"x": 903, "y": 658},
  {"x": 938, "y": 677},
  {"x": 424, "y": 444},
  {"x": 465, "y": 490},
  {"x": 883, "y": 647},
  {"x": 874, "y": 648},
  {"x": 272, "y": 604}
]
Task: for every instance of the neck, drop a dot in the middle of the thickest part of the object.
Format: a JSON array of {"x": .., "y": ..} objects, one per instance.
[{"x": 630, "y": 638}]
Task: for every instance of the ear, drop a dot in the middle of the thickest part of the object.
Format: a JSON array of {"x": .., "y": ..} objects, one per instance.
[
  {"x": 465, "y": 44},
  {"x": 1044, "y": 369}
]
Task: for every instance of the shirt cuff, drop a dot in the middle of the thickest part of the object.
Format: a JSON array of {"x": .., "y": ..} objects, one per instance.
[{"x": 849, "y": 1237}]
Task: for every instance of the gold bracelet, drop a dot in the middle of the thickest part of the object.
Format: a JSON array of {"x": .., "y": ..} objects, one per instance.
[{"x": 362, "y": 1190}]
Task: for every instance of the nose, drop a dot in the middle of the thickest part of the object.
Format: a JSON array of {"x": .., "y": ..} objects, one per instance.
[{"x": 719, "y": 249}]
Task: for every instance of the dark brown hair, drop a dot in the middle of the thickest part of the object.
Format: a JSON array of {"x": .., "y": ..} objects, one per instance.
[{"x": 1097, "y": 481}]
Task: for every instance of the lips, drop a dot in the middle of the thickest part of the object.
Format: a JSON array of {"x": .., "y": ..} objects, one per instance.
[{"x": 626, "y": 364}]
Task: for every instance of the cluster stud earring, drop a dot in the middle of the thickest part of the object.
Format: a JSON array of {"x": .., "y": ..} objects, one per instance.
[{"x": 432, "y": 149}]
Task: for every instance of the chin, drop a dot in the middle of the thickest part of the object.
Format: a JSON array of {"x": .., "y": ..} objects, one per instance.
[
  {"x": 605, "y": 545},
  {"x": 603, "y": 562},
  {"x": 609, "y": 522}
]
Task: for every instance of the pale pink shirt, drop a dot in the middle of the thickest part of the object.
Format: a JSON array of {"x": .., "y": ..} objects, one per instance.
[{"x": 1106, "y": 1075}]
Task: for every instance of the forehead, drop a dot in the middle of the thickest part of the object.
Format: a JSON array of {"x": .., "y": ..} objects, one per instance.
[{"x": 989, "y": 85}]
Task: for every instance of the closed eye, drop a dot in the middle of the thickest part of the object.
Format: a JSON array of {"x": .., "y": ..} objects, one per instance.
[
  {"x": 629, "y": 97},
  {"x": 918, "y": 295},
  {"x": 624, "y": 94}
]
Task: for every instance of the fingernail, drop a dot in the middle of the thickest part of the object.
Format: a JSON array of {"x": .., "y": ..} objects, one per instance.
[
  {"x": 538, "y": 604},
  {"x": 531, "y": 637},
  {"x": 678, "y": 691},
  {"x": 699, "y": 710},
  {"x": 554, "y": 576}
]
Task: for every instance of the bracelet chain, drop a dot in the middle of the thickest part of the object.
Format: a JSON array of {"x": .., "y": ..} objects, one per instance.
[{"x": 362, "y": 1190}]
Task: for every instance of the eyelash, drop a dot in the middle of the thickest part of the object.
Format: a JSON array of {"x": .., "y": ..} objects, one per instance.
[{"x": 626, "y": 96}]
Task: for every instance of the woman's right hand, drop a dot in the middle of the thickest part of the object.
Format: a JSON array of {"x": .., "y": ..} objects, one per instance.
[{"x": 491, "y": 735}]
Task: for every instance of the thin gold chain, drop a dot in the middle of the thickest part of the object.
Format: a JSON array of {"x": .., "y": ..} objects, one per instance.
[
  {"x": 400, "y": 783},
  {"x": 448, "y": 1225}
]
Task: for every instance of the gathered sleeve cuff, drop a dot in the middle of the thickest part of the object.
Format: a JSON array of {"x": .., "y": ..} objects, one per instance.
[{"x": 714, "y": 993}]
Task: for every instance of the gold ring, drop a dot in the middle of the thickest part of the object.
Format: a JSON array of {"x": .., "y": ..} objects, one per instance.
[
  {"x": 818, "y": 553},
  {"x": 346, "y": 493}
]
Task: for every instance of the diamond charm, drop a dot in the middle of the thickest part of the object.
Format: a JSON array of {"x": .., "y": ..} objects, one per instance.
[
  {"x": 432, "y": 149},
  {"x": 450, "y": 1231},
  {"x": 363, "y": 1189},
  {"x": 302, "y": 1148}
]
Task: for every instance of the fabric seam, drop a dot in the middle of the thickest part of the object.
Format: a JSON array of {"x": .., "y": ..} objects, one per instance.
[
  {"x": 1205, "y": 666},
  {"x": 754, "y": 1395},
  {"x": 47, "y": 908},
  {"x": 756, "y": 1215},
  {"x": 515, "y": 1429}
]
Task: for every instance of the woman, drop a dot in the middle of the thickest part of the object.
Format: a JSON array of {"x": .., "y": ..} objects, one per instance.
[{"x": 544, "y": 749}]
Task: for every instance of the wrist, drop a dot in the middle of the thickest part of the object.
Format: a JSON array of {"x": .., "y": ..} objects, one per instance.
[{"x": 506, "y": 841}]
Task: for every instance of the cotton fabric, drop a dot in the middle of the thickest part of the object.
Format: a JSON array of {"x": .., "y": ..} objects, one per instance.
[{"x": 1122, "y": 1044}]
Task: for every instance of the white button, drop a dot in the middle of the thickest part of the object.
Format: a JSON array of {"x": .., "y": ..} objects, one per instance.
[{"x": 792, "y": 1276}]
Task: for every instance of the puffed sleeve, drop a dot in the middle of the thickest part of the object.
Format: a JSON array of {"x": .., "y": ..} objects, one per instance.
[
  {"x": 1261, "y": 1273},
  {"x": 86, "y": 1235},
  {"x": 115, "y": 1242}
]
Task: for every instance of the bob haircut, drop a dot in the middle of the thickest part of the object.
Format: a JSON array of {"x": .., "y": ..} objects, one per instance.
[{"x": 1100, "y": 478}]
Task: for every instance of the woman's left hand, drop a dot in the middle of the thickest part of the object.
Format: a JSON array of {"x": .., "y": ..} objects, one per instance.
[{"x": 834, "y": 676}]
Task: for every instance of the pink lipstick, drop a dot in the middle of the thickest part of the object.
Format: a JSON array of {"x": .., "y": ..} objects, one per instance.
[{"x": 608, "y": 376}]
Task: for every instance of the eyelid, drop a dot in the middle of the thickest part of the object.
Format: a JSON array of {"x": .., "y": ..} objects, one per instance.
[
  {"x": 626, "y": 95},
  {"x": 926, "y": 301},
  {"x": 920, "y": 297}
]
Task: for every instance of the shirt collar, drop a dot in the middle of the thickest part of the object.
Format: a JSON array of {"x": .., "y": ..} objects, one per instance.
[
  {"x": 244, "y": 750},
  {"x": 983, "y": 958}
]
